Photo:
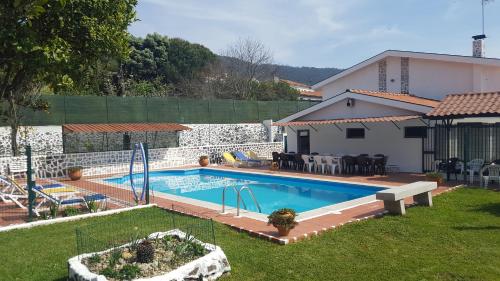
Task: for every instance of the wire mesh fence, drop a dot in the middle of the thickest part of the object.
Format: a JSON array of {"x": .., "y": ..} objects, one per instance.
[
  {"x": 52, "y": 186},
  {"x": 134, "y": 225}
]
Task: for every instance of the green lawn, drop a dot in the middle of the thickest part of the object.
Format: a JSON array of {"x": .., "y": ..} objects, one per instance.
[{"x": 457, "y": 239}]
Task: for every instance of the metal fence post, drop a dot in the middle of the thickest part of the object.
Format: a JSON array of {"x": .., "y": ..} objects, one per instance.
[
  {"x": 31, "y": 183},
  {"x": 146, "y": 152}
]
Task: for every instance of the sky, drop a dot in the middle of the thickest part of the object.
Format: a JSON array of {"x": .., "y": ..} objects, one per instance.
[{"x": 325, "y": 33}]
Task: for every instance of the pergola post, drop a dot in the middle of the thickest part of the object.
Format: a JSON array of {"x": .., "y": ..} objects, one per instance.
[{"x": 448, "y": 122}]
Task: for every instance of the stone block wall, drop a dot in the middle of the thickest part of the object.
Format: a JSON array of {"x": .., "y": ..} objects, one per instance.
[
  {"x": 48, "y": 139},
  {"x": 101, "y": 163},
  {"x": 43, "y": 139}
]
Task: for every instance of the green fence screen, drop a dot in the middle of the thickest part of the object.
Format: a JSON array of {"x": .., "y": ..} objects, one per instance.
[{"x": 102, "y": 109}]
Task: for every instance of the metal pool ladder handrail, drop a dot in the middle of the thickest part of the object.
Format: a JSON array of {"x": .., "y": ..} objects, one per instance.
[
  {"x": 239, "y": 198},
  {"x": 253, "y": 198},
  {"x": 224, "y": 197}
]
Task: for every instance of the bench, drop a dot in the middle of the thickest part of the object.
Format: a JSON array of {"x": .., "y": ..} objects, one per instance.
[{"x": 394, "y": 197}]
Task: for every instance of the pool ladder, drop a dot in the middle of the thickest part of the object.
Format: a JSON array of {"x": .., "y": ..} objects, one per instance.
[{"x": 239, "y": 199}]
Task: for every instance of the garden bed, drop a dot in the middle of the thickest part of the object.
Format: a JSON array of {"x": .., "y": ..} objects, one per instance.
[{"x": 171, "y": 255}]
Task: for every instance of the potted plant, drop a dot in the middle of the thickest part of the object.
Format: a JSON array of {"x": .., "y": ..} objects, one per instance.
[
  {"x": 283, "y": 220},
  {"x": 75, "y": 173},
  {"x": 203, "y": 161},
  {"x": 435, "y": 176}
]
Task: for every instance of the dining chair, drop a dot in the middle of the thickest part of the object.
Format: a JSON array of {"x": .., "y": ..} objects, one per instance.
[
  {"x": 307, "y": 163},
  {"x": 332, "y": 164},
  {"x": 318, "y": 162}
]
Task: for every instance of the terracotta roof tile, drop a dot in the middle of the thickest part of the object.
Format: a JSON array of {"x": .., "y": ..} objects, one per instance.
[
  {"x": 123, "y": 127},
  {"x": 468, "y": 105},
  {"x": 311, "y": 94},
  {"x": 349, "y": 120},
  {"x": 296, "y": 84},
  {"x": 397, "y": 97}
]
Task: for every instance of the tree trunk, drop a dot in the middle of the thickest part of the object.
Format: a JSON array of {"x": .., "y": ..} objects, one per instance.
[
  {"x": 13, "y": 140},
  {"x": 12, "y": 117}
]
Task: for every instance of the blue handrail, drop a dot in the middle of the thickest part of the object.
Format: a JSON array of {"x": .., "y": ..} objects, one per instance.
[{"x": 131, "y": 174}]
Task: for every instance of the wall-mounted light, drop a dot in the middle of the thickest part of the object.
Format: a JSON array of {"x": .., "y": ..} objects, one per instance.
[{"x": 350, "y": 102}]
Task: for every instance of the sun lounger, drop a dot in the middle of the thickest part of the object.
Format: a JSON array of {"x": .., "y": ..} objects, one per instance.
[
  {"x": 254, "y": 156},
  {"x": 243, "y": 158},
  {"x": 53, "y": 198},
  {"x": 11, "y": 191}
]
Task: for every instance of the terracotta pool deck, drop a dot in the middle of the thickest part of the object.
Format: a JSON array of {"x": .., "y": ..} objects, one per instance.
[{"x": 10, "y": 214}]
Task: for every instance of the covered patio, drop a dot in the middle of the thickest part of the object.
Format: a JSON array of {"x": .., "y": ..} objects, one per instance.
[
  {"x": 119, "y": 136},
  {"x": 363, "y": 123},
  {"x": 465, "y": 138}
]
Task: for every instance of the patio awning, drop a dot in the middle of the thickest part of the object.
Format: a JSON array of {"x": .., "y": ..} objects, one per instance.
[
  {"x": 349, "y": 120},
  {"x": 467, "y": 105},
  {"x": 123, "y": 127}
]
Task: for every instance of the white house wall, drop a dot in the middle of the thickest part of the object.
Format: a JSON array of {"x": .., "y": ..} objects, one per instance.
[
  {"x": 427, "y": 78},
  {"x": 365, "y": 78},
  {"x": 382, "y": 138},
  {"x": 360, "y": 109},
  {"x": 435, "y": 79}
]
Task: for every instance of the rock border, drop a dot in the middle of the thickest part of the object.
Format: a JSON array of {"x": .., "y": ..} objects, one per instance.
[{"x": 211, "y": 266}]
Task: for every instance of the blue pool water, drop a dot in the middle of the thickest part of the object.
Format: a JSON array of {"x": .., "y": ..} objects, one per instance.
[{"x": 272, "y": 192}]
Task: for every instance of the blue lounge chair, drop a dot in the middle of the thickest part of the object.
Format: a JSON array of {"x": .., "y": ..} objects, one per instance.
[{"x": 243, "y": 158}]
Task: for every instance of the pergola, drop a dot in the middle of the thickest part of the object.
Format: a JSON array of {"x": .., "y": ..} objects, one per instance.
[
  {"x": 463, "y": 106},
  {"x": 125, "y": 128}
]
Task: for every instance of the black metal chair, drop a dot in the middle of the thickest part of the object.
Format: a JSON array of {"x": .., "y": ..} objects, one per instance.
[
  {"x": 283, "y": 161},
  {"x": 348, "y": 165},
  {"x": 450, "y": 167},
  {"x": 365, "y": 165},
  {"x": 299, "y": 162},
  {"x": 379, "y": 164}
]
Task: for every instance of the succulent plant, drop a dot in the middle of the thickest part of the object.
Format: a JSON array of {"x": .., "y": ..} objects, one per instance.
[{"x": 145, "y": 252}]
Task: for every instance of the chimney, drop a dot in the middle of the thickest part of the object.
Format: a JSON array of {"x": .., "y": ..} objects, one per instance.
[{"x": 478, "y": 46}]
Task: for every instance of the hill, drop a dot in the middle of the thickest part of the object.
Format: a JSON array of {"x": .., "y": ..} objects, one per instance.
[{"x": 304, "y": 74}]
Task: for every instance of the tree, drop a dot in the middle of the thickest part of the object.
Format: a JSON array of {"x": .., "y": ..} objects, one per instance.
[
  {"x": 165, "y": 61},
  {"x": 51, "y": 42},
  {"x": 248, "y": 60}
]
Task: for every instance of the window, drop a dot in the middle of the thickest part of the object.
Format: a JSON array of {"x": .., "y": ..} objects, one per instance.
[
  {"x": 415, "y": 132},
  {"x": 355, "y": 133}
]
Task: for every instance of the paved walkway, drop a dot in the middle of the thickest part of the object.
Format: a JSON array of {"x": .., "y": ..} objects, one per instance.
[{"x": 10, "y": 214}]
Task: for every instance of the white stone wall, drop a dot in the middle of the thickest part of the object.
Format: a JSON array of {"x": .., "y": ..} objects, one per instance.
[
  {"x": 43, "y": 139},
  {"x": 215, "y": 134},
  {"x": 48, "y": 139},
  {"x": 101, "y": 163}
]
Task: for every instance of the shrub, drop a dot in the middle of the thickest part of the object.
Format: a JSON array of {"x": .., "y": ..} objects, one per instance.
[
  {"x": 109, "y": 272},
  {"x": 71, "y": 211},
  {"x": 145, "y": 252},
  {"x": 53, "y": 209},
  {"x": 94, "y": 259},
  {"x": 115, "y": 256},
  {"x": 284, "y": 218},
  {"x": 434, "y": 176},
  {"x": 93, "y": 206},
  {"x": 128, "y": 272}
]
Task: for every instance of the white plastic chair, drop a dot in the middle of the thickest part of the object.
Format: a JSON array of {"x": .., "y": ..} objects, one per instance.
[
  {"x": 331, "y": 164},
  {"x": 474, "y": 166},
  {"x": 318, "y": 162},
  {"x": 493, "y": 174},
  {"x": 307, "y": 162}
]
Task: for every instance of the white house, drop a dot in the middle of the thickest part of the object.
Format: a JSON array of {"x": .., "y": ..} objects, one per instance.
[
  {"x": 381, "y": 104},
  {"x": 421, "y": 74}
]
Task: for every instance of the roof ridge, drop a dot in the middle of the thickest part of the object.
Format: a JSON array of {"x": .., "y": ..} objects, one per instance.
[
  {"x": 390, "y": 93},
  {"x": 474, "y": 93}
]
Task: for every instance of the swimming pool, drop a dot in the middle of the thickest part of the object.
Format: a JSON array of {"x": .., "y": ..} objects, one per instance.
[{"x": 272, "y": 192}]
